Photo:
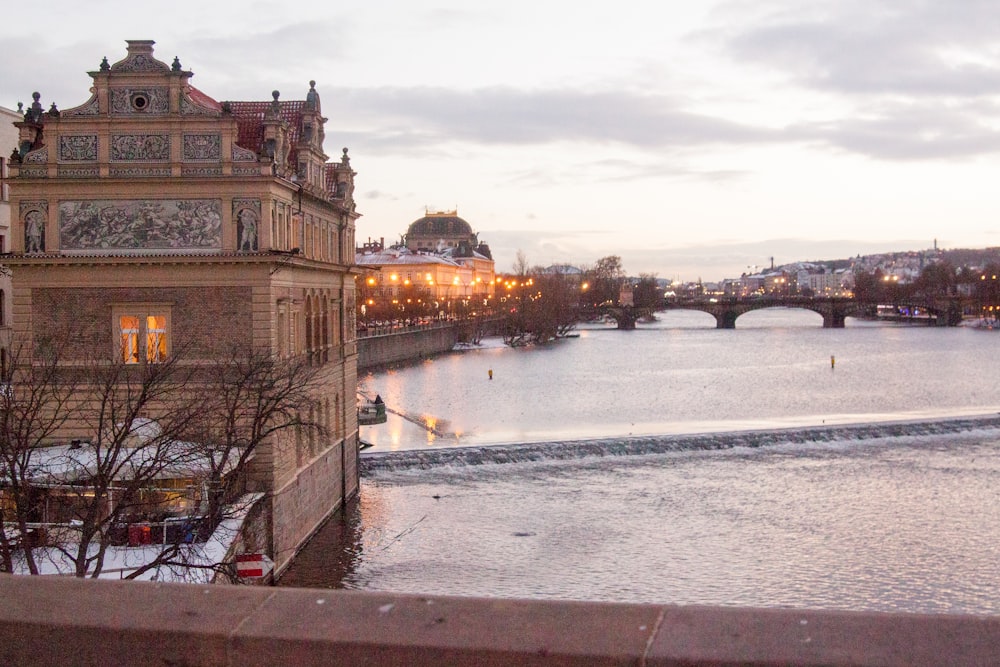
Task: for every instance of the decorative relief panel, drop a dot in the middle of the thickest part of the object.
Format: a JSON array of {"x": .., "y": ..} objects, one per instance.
[
  {"x": 140, "y": 62},
  {"x": 90, "y": 108},
  {"x": 246, "y": 213},
  {"x": 140, "y": 147},
  {"x": 34, "y": 172},
  {"x": 39, "y": 155},
  {"x": 189, "y": 108},
  {"x": 155, "y": 100},
  {"x": 41, "y": 205},
  {"x": 152, "y": 224},
  {"x": 243, "y": 171},
  {"x": 241, "y": 154},
  {"x": 82, "y": 148},
  {"x": 202, "y": 147}
]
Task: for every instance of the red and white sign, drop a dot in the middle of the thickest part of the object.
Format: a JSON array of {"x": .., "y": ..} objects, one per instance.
[{"x": 253, "y": 566}]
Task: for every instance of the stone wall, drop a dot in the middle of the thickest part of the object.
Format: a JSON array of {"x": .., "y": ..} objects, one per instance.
[
  {"x": 405, "y": 345},
  {"x": 206, "y": 322},
  {"x": 411, "y": 344}
]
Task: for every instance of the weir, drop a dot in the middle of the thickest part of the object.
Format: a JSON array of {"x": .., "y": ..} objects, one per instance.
[{"x": 371, "y": 462}]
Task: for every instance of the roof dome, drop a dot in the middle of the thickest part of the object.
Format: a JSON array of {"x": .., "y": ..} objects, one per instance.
[{"x": 443, "y": 224}]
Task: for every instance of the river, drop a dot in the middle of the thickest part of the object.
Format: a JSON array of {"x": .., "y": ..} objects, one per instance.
[{"x": 680, "y": 463}]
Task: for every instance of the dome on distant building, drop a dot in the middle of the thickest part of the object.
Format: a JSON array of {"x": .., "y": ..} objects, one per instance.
[
  {"x": 436, "y": 232},
  {"x": 440, "y": 225}
]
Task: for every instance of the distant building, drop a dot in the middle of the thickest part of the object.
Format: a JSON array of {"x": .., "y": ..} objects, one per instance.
[
  {"x": 8, "y": 145},
  {"x": 153, "y": 218},
  {"x": 824, "y": 282},
  {"x": 440, "y": 266}
]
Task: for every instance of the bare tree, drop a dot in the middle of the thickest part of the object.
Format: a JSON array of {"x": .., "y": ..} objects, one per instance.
[
  {"x": 29, "y": 415},
  {"x": 646, "y": 293},
  {"x": 247, "y": 400},
  {"x": 143, "y": 427},
  {"x": 605, "y": 279},
  {"x": 521, "y": 265},
  {"x": 542, "y": 308}
]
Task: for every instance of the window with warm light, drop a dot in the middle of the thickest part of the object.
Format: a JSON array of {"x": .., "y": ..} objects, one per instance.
[{"x": 143, "y": 334}]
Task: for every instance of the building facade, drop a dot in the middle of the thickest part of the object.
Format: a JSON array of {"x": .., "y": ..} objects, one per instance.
[{"x": 152, "y": 219}]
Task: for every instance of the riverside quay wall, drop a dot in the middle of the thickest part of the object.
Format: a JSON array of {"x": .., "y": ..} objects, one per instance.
[
  {"x": 394, "y": 345},
  {"x": 390, "y": 344},
  {"x": 68, "y": 622}
]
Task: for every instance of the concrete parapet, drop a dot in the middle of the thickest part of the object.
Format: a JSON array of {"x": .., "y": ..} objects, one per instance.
[{"x": 60, "y": 621}]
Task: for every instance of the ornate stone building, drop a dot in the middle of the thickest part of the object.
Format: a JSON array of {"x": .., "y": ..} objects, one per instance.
[{"x": 153, "y": 218}]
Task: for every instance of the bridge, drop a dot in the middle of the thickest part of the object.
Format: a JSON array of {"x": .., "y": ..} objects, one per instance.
[
  {"x": 942, "y": 311},
  {"x": 69, "y": 621}
]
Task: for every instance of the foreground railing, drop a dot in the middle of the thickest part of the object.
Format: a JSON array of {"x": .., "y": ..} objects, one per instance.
[{"x": 61, "y": 621}]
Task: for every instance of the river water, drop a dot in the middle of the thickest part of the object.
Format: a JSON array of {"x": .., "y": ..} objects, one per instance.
[{"x": 679, "y": 463}]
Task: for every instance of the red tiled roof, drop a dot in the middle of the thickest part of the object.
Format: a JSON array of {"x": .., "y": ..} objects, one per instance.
[
  {"x": 202, "y": 99},
  {"x": 250, "y": 123}
]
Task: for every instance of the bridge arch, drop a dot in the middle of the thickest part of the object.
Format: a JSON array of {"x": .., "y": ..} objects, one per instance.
[
  {"x": 695, "y": 317},
  {"x": 727, "y": 311},
  {"x": 796, "y": 316}
]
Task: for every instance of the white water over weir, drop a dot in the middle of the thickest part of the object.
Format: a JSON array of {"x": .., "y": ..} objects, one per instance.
[{"x": 638, "y": 445}]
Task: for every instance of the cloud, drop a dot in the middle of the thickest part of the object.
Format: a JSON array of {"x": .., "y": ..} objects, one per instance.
[
  {"x": 909, "y": 131},
  {"x": 249, "y": 64},
  {"x": 57, "y": 73},
  {"x": 400, "y": 120},
  {"x": 418, "y": 116},
  {"x": 900, "y": 79},
  {"x": 899, "y": 47}
]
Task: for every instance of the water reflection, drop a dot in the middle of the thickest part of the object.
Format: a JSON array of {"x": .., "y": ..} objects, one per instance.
[
  {"x": 909, "y": 523},
  {"x": 680, "y": 375}
]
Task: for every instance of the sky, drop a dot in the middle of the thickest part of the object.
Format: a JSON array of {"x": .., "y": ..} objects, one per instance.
[{"x": 694, "y": 139}]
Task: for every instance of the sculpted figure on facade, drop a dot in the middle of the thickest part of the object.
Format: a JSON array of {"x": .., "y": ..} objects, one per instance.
[
  {"x": 34, "y": 232},
  {"x": 246, "y": 228}
]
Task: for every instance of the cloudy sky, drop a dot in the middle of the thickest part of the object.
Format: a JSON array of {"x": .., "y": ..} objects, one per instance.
[{"x": 693, "y": 139}]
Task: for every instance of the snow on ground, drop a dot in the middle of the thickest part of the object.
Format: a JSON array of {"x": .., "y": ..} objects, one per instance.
[{"x": 193, "y": 563}]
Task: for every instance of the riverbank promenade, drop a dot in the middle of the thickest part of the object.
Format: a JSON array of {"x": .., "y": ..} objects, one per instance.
[{"x": 65, "y": 621}]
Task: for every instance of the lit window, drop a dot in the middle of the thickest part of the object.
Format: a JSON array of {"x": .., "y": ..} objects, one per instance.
[{"x": 143, "y": 334}]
